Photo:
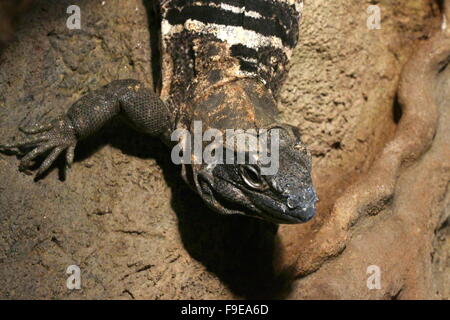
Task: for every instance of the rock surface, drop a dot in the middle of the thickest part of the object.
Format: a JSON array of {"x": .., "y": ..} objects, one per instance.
[{"x": 124, "y": 216}]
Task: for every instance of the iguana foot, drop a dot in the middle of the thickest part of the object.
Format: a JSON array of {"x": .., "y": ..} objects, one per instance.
[{"x": 51, "y": 139}]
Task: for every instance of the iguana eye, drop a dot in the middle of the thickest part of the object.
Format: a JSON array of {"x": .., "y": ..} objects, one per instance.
[{"x": 252, "y": 177}]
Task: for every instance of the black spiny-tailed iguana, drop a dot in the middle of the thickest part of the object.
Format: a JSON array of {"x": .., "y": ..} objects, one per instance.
[{"x": 223, "y": 62}]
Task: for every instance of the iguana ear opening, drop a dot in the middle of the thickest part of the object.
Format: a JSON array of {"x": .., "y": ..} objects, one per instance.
[
  {"x": 206, "y": 188},
  {"x": 204, "y": 182}
]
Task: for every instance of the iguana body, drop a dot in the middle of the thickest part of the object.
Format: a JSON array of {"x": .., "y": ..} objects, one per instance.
[{"x": 223, "y": 62}]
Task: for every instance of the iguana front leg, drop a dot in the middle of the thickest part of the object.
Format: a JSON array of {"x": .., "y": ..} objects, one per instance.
[{"x": 141, "y": 107}]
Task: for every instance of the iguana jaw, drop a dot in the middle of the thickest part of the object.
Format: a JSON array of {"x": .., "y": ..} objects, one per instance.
[{"x": 289, "y": 199}]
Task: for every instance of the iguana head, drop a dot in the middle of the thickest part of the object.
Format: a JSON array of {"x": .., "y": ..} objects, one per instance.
[
  {"x": 253, "y": 188},
  {"x": 287, "y": 195}
]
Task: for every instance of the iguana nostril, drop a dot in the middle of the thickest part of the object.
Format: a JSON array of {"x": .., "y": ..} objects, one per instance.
[
  {"x": 304, "y": 199},
  {"x": 295, "y": 201},
  {"x": 291, "y": 203}
]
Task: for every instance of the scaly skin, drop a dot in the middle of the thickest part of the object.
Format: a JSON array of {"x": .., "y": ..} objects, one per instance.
[{"x": 224, "y": 84}]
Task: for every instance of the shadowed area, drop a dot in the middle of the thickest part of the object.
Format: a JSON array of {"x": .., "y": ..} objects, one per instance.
[{"x": 124, "y": 215}]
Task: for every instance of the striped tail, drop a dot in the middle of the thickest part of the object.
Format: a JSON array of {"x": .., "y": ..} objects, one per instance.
[{"x": 261, "y": 34}]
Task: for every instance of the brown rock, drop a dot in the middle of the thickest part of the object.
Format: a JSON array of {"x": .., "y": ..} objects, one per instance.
[{"x": 137, "y": 231}]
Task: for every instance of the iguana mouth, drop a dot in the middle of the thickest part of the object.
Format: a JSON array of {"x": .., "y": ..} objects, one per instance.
[
  {"x": 281, "y": 213},
  {"x": 289, "y": 216}
]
